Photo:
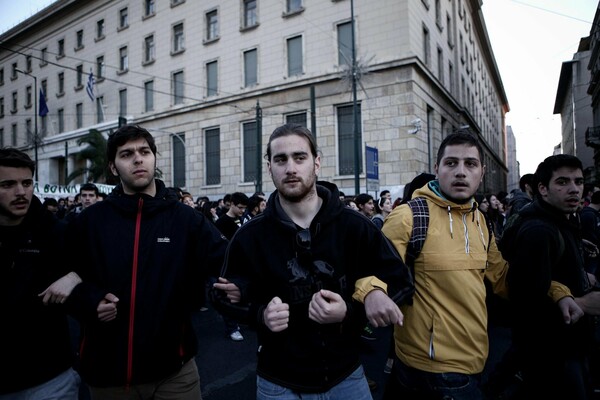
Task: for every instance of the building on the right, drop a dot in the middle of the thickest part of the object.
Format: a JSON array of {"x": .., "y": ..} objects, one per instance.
[
  {"x": 573, "y": 103},
  {"x": 592, "y": 134}
]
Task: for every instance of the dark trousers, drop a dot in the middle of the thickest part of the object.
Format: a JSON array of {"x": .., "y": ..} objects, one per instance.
[{"x": 408, "y": 383}]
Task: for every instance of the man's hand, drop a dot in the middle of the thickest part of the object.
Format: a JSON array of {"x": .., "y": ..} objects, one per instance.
[
  {"x": 570, "y": 310},
  {"x": 231, "y": 290},
  {"x": 381, "y": 310},
  {"x": 277, "y": 315},
  {"x": 327, "y": 307},
  {"x": 107, "y": 308},
  {"x": 589, "y": 303},
  {"x": 60, "y": 289}
]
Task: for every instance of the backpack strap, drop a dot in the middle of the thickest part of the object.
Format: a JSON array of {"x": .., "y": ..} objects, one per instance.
[{"x": 420, "y": 212}]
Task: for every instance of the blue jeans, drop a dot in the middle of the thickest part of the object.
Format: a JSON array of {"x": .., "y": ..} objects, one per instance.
[
  {"x": 408, "y": 383},
  {"x": 63, "y": 387},
  {"x": 354, "y": 387}
]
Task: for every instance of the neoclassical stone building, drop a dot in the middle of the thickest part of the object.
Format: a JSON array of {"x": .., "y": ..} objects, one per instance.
[{"x": 212, "y": 79}]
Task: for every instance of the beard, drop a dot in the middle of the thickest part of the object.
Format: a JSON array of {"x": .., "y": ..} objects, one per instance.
[{"x": 301, "y": 190}]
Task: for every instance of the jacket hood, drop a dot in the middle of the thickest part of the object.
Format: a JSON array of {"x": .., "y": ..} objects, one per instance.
[
  {"x": 129, "y": 203},
  {"x": 331, "y": 207},
  {"x": 433, "y": 193}
]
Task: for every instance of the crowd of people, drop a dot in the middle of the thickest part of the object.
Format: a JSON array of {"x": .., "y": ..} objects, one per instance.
[{"x": 310, "y": 269}]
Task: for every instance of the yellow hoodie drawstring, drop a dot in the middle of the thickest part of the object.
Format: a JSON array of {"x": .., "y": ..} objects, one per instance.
[
  {"x": 450, "y": 217},
  {"x": 481, "y": 232}
]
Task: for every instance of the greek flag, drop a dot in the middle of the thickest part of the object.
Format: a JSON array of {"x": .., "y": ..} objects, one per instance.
[{"x": 90, "y": 86}]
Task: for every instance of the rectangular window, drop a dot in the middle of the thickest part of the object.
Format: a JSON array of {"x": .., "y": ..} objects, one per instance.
[
  {"x": 149, "y": 48},
  {"x": 250, "y": 157},
  {"x": 426, "y": 46},
  {"x": 100, "y": 29},
  {"x": 213, "y": 156},
  {"x": 28, "y": 129},
  {"x": 43, "y": 56},
  {"x": 79, "y": 115},
  {"x": 123, "y": 18},
  {"x": 61, "y": 120},
  {"x": 344, "y": 33},
  {"x": 122, "y": 102},
  {"x": 299, "y": 118},
  {"x": 250, "y": 17},
  {"x": 44, "y": 125},
  {"x": 15, "y": 67},
  {"x": 13, "y": 138},
  {"x": 294, "y": 55},
  {"x": 123, "y": 59},
  {"x": 449, "y": 30},
  {"x": 293, "y": 5},
  {"x": 1, "y": 76},
  {"x": 212, "y": 25},
  {"x": 15, "y": 102},
  {"x": 99, "y": 109},
  {"x": 100, "y": 68},
  {"x": 178, "y": 87},
  {"x": 61, "y": 82},
  {"x": 440, "y": 60},
  {"x": 79, "y": 78},
  {"x": 212, "y": 78},
  {"x": 149, "y": 96},
  {"x": 451, "y": 77},
  {"x": 178, "y": 159},
  {"x": 345, "y": 117},
  {"x": 1, "y": 107},
  {"x": 61, "y": 48},
  {"x": 28, "y": 63},
  {"x": 79, "y": 39},
  {"x": 178, "y": 44},
  {"x": 149, "y": 8},
  {"x": 250, "y": 68},
  {"x": 28, "y": 96}
]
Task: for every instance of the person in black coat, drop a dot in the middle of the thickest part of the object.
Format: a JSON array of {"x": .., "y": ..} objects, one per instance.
[
  {"x": 143, "y": 257},
  {"x": 297, "y": 266}
]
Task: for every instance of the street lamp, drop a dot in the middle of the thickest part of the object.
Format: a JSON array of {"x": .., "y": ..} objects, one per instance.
[{"x": 35, "y": 116}]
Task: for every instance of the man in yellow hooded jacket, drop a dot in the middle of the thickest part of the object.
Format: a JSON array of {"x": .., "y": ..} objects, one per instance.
[{"x": 442, "y": 348}]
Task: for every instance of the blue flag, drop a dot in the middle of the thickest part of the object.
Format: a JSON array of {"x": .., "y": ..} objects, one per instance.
[{"x": 43, "y": 107}]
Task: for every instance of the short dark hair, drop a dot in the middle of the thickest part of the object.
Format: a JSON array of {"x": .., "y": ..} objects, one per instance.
[
  {"x": 527, "y": 179},
  {"x": 239, "y": 198},
  {"x": 293, "y": 129},
  {"x": 125, "y": 134},
  {"x": 363, "y": 199},
  {"x": 461, "y": 136},
  {"x": 89, "y": 186},
  {"x": 544, "y": 171},
  {"x": 11, "y": 157},
  {"x": 254, "y": 201}
]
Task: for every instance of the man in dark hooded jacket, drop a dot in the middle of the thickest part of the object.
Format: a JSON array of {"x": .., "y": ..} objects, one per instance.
[
  {"x": 143, "y": 257},
  {"x": 297, "y": 265},
  {"x": 546, "y": 246}
]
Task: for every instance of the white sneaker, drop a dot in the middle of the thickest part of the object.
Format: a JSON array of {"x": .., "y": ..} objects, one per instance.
[{"x": 236, "y": 336}]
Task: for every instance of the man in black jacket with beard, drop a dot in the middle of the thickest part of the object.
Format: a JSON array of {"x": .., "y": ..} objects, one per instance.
[
  {"x": 297, "y": 265},
  {"x": 143, "y": 257},
  {"x": 553, "y": 348},
  {"x": 35, "y": 347}
]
